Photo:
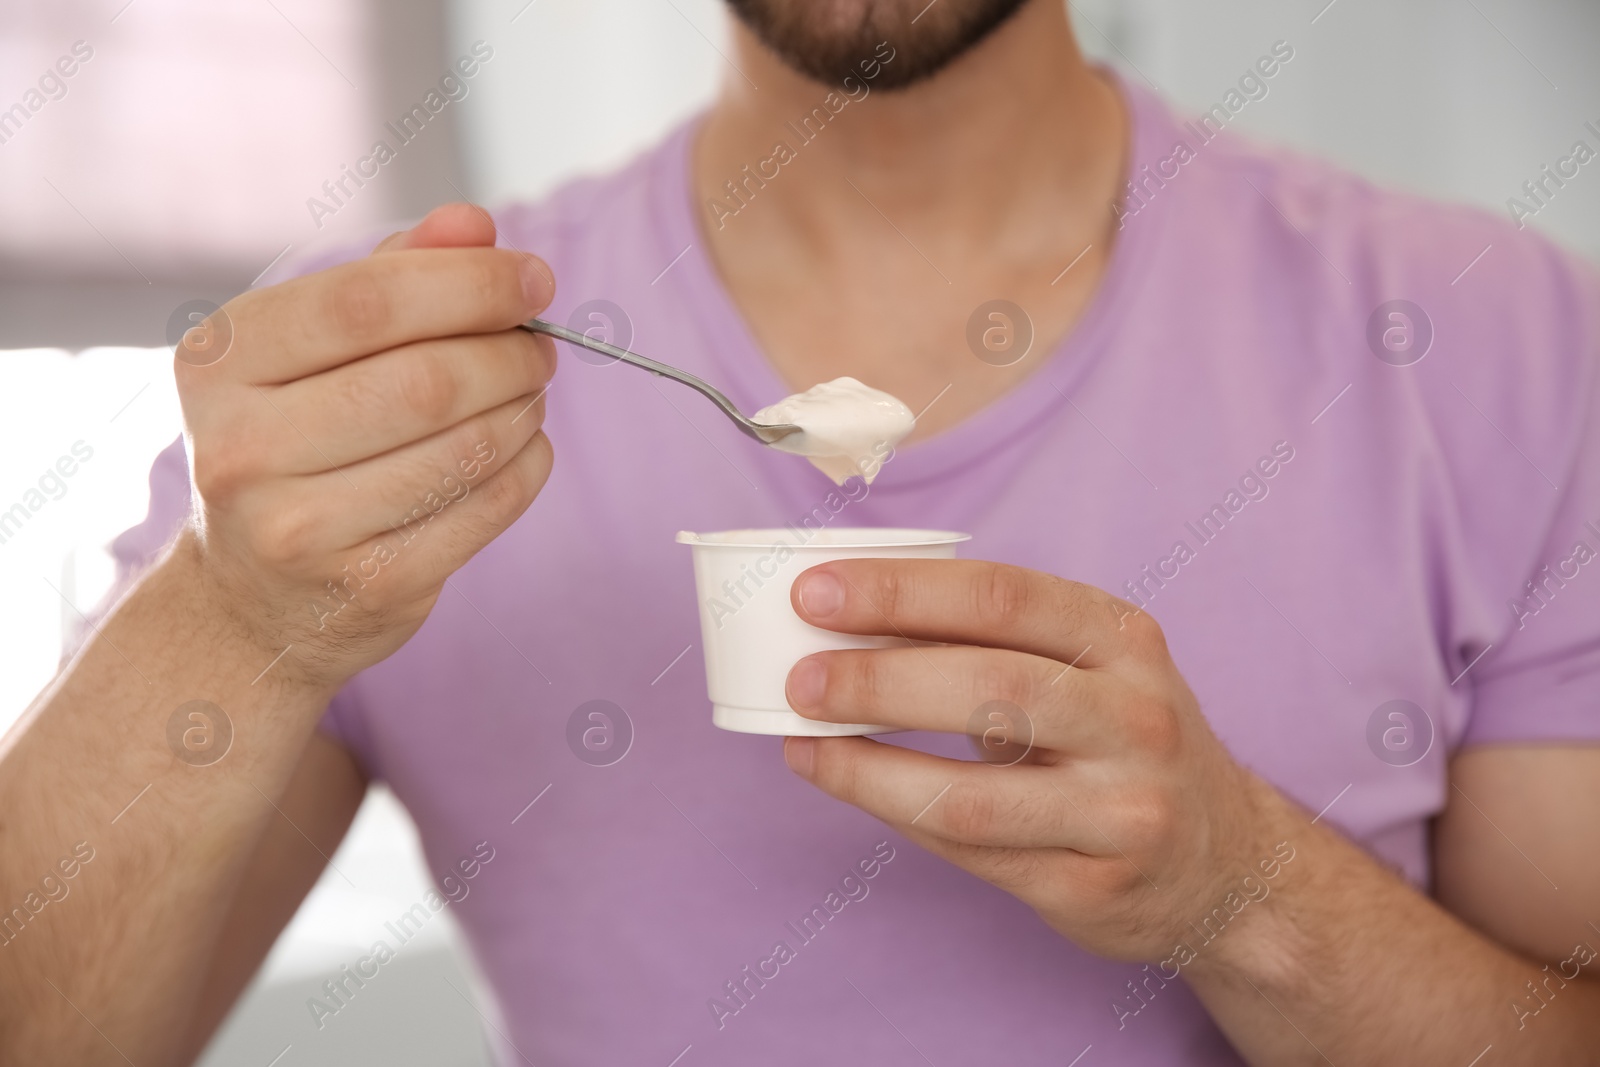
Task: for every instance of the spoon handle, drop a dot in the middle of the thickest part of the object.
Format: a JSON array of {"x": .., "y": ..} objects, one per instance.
[{"x": 765, "y": 434}]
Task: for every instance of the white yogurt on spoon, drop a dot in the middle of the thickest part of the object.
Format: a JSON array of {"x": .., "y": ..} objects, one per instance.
[{"x": 846, "y": 428}]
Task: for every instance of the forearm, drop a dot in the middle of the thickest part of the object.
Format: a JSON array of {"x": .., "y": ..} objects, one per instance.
[
  {"x": 125, "y": 946},
  {"x": 1345, "y": 962}
]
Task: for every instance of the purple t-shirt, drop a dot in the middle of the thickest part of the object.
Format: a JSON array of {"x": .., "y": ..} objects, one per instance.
[{"x": 1239, "y": 434}]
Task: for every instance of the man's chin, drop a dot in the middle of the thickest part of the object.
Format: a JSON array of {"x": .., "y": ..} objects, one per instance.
[{"x": 826, "y": 40}]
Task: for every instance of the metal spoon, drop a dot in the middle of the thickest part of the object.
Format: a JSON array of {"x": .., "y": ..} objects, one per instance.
[{"x": 761, "y": 432}]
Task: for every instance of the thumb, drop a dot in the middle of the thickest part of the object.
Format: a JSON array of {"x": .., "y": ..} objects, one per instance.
[{"x": 456, "y": 225}]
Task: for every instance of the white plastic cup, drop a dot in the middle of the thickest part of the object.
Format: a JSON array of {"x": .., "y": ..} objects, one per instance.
[{"x": 750, "y": 631}]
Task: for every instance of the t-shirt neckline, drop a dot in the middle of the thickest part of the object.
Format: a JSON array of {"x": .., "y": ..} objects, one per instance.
[{"x": 751, "y": 381}]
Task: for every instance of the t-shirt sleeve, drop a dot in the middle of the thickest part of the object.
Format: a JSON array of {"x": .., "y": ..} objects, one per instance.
[
  {"x": 139, "y": 547},
  {"x": 1541, "y": 682}
]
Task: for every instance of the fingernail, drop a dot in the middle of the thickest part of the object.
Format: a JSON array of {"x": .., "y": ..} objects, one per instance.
[
  {"x": 821, "y": 594},
  {"x": 800, "y": 753},
  {"x": 538, "y": 285},
  {"x": 807, "y": 680}
]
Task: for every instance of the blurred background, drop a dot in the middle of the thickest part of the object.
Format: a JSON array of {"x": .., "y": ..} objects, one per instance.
[{"x": 188, "y": 151}]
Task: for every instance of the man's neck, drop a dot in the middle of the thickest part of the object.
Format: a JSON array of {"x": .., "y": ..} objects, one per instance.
[
  {"x": 912, "y": 207},
  {"x": 1018, "y": 123}
]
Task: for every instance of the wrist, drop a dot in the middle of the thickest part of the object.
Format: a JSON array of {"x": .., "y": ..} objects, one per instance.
[
  {"x": 1255, "y": 927},
  {"x": 227, "y": 622}
]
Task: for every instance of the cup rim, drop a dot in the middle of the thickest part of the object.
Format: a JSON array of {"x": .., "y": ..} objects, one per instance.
[{"x": 829, "y": 538}]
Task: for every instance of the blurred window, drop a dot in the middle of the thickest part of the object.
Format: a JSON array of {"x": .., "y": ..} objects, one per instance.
[{"x": 163, "y": 138}]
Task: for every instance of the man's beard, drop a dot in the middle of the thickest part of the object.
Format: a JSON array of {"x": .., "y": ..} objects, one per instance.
[{"x": 829, "y": 39}]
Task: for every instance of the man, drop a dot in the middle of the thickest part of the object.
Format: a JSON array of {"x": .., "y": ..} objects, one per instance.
[{"x": 1338, "y": 806}]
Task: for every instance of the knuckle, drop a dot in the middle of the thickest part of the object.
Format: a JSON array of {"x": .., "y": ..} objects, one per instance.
[
  {"x": 1143, "y": 634},
  {"x": 479, "y": 450},
  {"x": 477, "y": 437},
  {"x": 287, "y": 534},
  {"x": 1153, "y": 728},
  {"x": 864, "y": 683},
  {"x": 1005, "y": 595},
  {"x": 506, "y": 492},
  {"x": 969, "y": 813},
  {"x": 1111, "y": 878},
  {"x": 837, "y": 770},
  {"x": 1002, "y": 678},
  {"x": 357, "y": 303},
  {"x": 1144, "y": 820},
  {"x": 428, "y": 387},
  {"x": 220, "y": 470},
  {"x": 515, "y": 485},
  {"x": 891, "y": 592},
  {"x": 471, "y": 434},
  {"x": 492, "y": 282},
  {"x": 502, "y": 280}
]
